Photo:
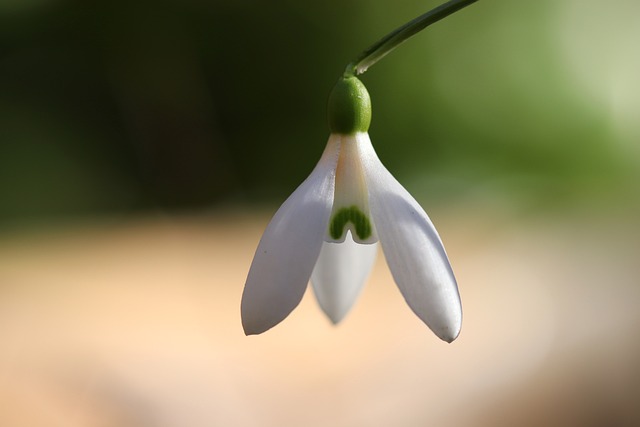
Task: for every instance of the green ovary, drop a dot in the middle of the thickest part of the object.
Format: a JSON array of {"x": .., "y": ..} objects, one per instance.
[{"x": 353, "y": 215}]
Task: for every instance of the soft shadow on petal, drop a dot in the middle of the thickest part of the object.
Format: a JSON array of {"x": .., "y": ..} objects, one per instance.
[
  {"x": 340, "y": 273},
  {"x": 413, "y": 249},
  {"x": 289, "y": 248}
]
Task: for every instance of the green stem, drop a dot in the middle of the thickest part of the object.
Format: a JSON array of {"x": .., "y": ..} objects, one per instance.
[{"x": 389, "y": 42}]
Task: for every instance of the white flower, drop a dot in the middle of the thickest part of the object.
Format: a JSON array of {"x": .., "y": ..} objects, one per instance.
[{"x": 328, "y": 230}]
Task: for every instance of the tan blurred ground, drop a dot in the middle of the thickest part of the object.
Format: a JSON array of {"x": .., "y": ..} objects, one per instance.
[{"x": 137, "y": 325}]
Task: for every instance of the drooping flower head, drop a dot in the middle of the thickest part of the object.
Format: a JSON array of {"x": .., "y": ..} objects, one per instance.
[{"x": 328, "y": 230}]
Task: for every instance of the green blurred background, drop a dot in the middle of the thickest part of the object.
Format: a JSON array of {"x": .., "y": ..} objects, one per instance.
[{"x": 110, "y": 108}]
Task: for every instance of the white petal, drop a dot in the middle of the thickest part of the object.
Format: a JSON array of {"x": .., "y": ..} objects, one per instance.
[
  {"x": 289, "y": 249},
  {"x": 413, "y": 249},
  {"x": 351, "y": 200},
  {"x": 339, "y": 274}
]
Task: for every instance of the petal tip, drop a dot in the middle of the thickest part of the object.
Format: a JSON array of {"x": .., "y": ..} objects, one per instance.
[
  {"x": 250, "y": 329},
  {"x": 335, "y": 318},
  {"x": 448, "y": 334},
  {"x": 252, "y": 325},
  {"x": 334, "y": 312},
  {"x": 449, "y": 338},
  {"x": 254, "y": 329}
]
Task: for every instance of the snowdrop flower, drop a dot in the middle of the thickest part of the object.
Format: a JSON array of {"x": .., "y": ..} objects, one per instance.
[{"x": 328, "y": 231}]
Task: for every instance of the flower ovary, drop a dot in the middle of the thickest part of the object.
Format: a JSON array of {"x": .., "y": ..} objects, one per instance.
[{"x": 349, "y": 107}]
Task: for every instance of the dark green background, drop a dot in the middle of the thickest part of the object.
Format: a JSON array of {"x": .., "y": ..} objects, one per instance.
[{"x": 119, "y": 107}]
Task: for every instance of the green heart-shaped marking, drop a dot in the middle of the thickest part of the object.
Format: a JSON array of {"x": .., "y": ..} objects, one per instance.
[{"x": 353, "y": 215}]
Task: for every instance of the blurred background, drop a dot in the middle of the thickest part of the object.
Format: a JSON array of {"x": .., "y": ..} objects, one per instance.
[{"x": 145, "y": 145}]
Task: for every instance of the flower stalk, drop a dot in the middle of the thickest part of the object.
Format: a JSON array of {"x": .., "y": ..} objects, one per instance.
[{"x": 401, "y": 34}]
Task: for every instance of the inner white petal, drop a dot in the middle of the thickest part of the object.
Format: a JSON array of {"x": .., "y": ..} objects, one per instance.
[
  {"x": 350, "y": 210},
  {"x": 339, "y": 275}
]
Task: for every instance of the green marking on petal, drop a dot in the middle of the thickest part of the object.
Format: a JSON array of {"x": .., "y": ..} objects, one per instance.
[{"x": 353, "y": 215}]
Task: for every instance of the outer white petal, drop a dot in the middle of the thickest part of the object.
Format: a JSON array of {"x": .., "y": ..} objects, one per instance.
[
  {"x": 340, "y": 272},
  {"x": 413, "y": 249},
  {"x": 289, "y": 248}
]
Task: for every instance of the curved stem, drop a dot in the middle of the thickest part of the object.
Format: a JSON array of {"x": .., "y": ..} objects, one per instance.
[{"x": 389, "y": 42}]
